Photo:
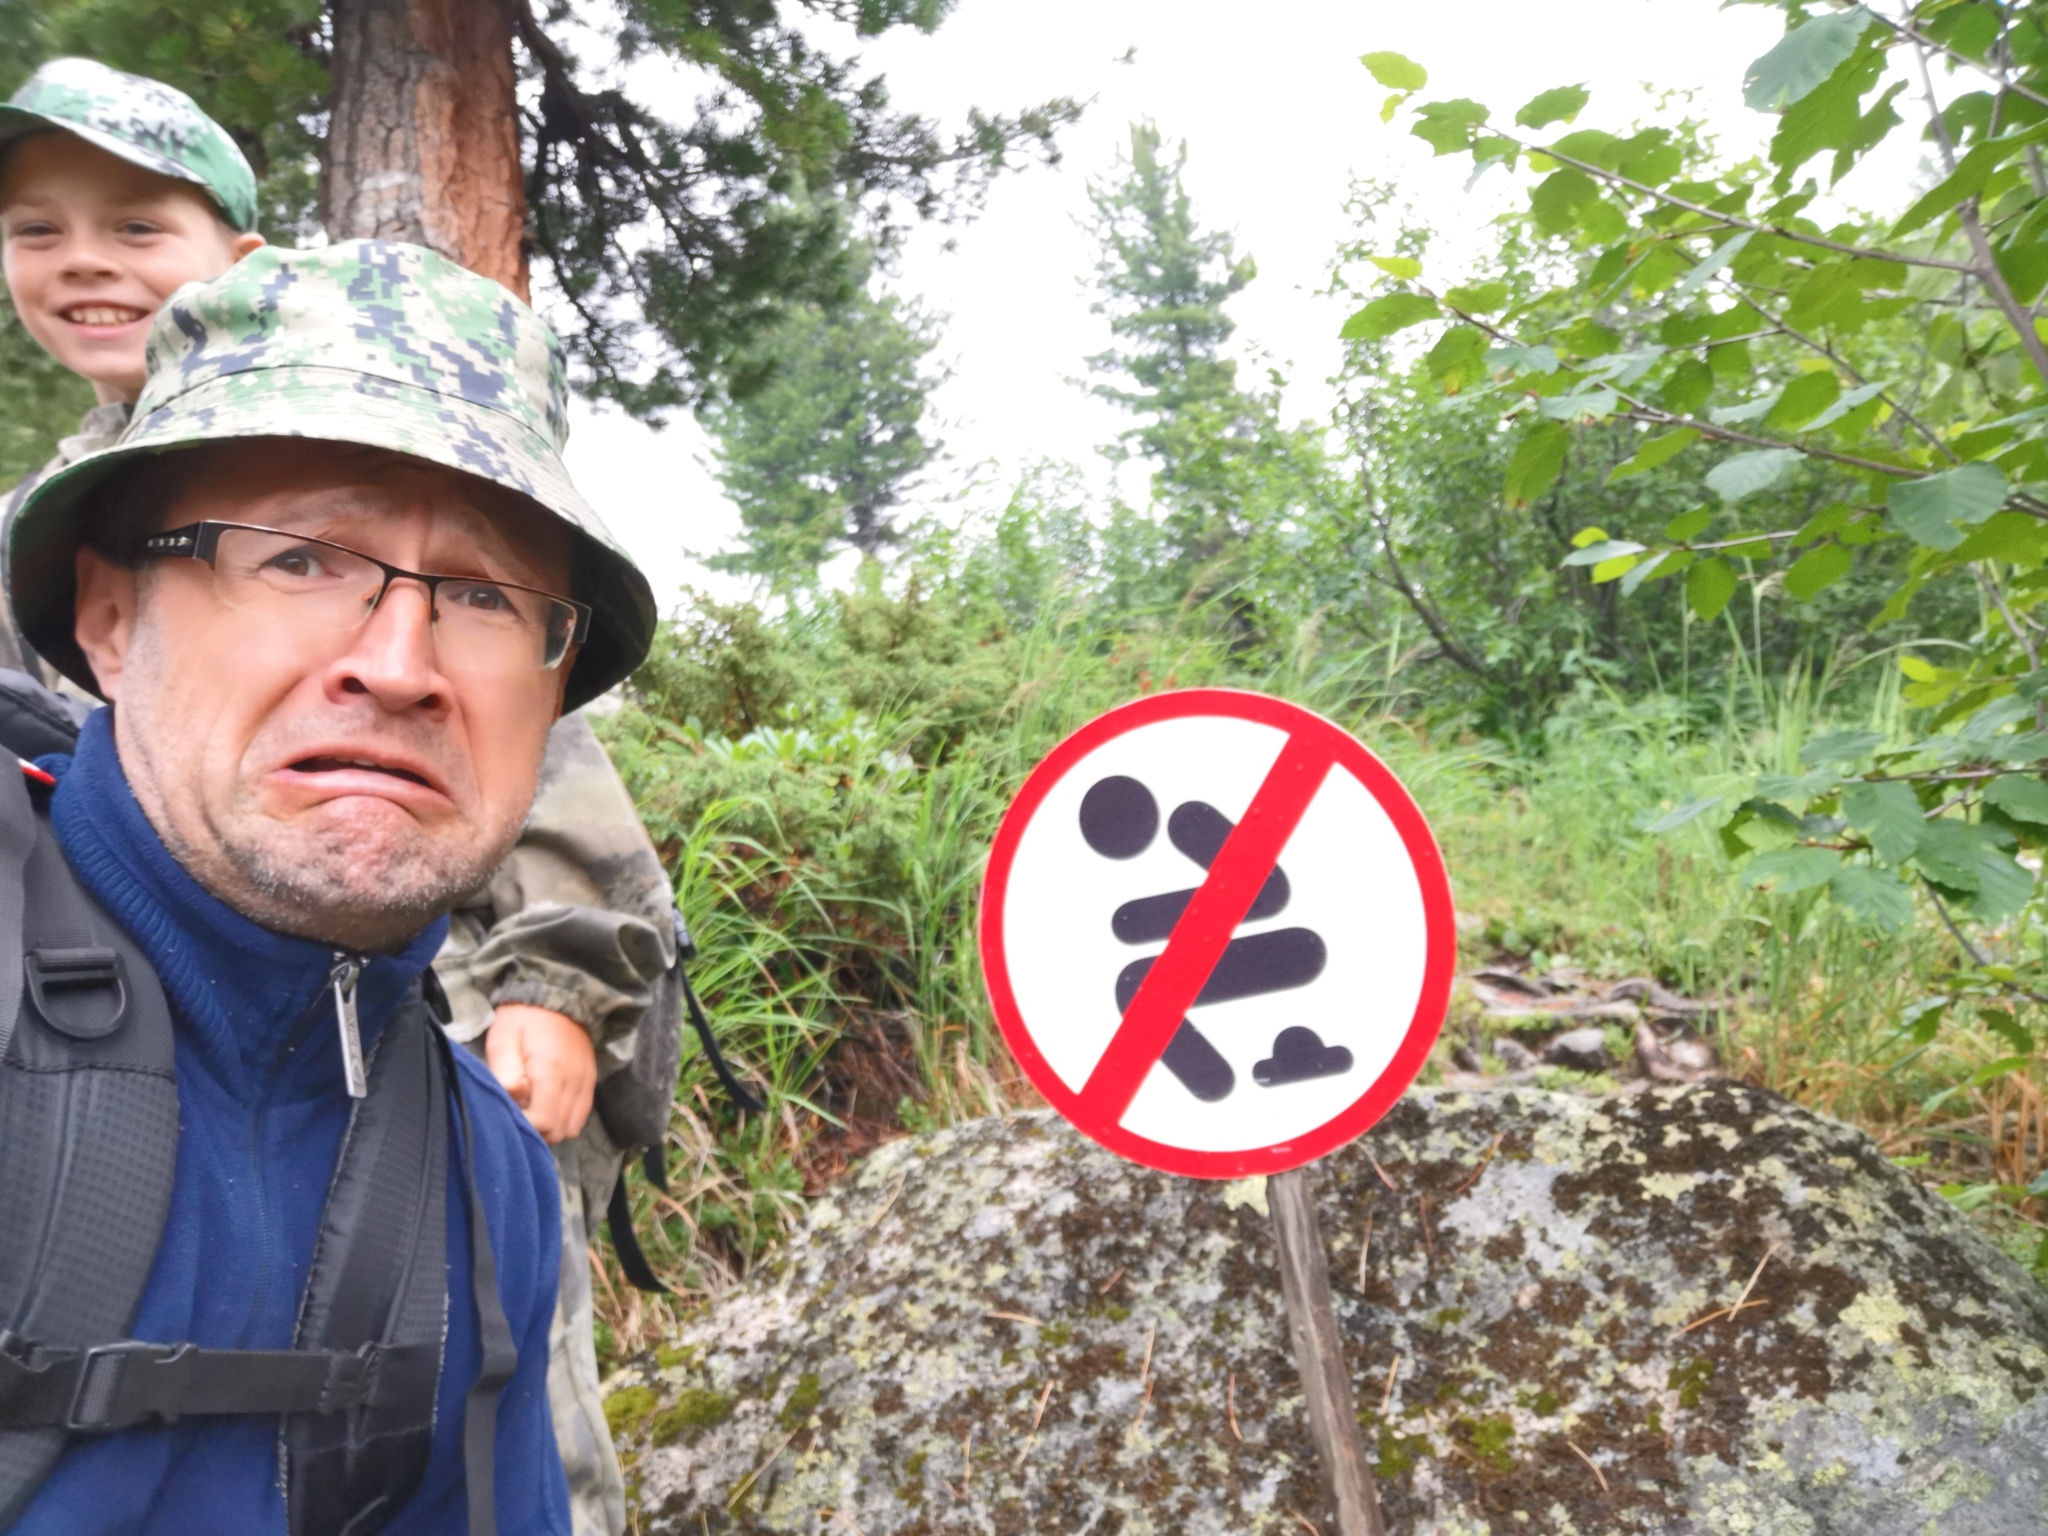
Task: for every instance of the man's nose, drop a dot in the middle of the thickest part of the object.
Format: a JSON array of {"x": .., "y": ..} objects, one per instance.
[{"x": 392, "y": 657}]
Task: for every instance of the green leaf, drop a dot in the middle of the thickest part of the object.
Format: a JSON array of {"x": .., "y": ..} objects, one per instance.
[
  {"x": 1541, "y": 358},
  {"x": 1839, "y": 747},
  {"x": 1559, "y": 105},
  {"x": 1950, "y": 852},
  {"x": 1965, "y": 181},
  {"x": 1689, "y": 525},
  {"x": 1802, "y": 60},
  {"x": 2004, "y": 888},
  {"x": 1457, "y": 359},
  {"x": 1388, "y": 314},
  {"x": 1803, "y": 399},
  {"x": 2020, "y": 796},
  {"x": 1673, "y": 819},
  {"x": 1556, "y": 198},
  {"x": 1446, "y": 126},
  {"x": 1397, "y": 266},
  {"x": 1538, "y": 459},
  {"x": 2007, "y": 1028},
  {"x": 1792, "y": 870},
  {"x": 1745, "y": 474},
  {"x": 1478, "y": 298},
  {"x": 1615, "y": 569},
  {"x": 1876, "y": 896},
  {"x": 1657, "y": 451},
  {"x": 1928, "y": 510},
  {"x": 1708, "y": 586},
  {"x": 1691, "y": 382},
  {"x": 1820, "y": 567},
  {"x": 1395, "y": 71},
  {"x": 1721, "y": 255},
  {"x": 1606, "y": 549},
  {"x": 1888, "y": 814}
]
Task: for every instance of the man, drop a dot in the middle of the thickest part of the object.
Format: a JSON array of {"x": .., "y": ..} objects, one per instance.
[
  {"x": 115, "y": 190},
  {"x": 314, "y": 753}
]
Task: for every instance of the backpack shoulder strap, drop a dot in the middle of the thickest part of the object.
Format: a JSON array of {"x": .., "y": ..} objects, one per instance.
[
  {"x": 88, "y": 1124},
  {"x": 379, "y": 1279}
]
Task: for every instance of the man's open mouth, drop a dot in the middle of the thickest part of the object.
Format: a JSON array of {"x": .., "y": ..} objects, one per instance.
[
  {"x": 342, "y": 764},
  {"x": 103, "y": 314}
]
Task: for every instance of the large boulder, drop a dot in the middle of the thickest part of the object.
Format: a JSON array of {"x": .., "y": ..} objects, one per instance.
[{"x": 1003, "y": 1329}]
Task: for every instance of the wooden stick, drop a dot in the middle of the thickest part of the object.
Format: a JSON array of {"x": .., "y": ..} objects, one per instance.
[{"x": 1319, "y": 1353}]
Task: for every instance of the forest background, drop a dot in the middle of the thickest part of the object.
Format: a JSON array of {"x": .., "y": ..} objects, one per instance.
[{"x": 1678, "y": 534}]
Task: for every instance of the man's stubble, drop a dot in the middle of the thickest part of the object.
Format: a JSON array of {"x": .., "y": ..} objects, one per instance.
[{"x": 330, "y": 884}]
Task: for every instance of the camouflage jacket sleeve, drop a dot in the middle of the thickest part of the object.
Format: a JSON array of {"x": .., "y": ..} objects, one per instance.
[{"x": 577, "y": 920}]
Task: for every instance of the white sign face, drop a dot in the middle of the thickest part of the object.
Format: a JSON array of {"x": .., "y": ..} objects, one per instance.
[{"x": 1217, "y": 933}]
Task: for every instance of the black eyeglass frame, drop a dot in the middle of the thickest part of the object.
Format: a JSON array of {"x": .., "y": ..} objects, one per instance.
[{"x": 201, "y": 541}]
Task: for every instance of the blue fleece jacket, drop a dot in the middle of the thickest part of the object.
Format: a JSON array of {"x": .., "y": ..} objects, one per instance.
[{"x": 260, "y": 1128}]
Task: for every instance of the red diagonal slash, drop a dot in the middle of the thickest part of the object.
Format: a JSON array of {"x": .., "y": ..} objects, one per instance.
[{"x": 1176, "y": 979}]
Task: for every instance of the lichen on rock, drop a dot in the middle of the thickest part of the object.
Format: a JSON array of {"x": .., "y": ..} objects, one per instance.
[{"x": 1002, "y": 1328}]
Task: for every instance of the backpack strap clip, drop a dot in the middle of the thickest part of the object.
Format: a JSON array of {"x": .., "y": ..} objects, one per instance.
[
  {"x": 128, "y": 1383},
  {"x": 70, "y": 970}
]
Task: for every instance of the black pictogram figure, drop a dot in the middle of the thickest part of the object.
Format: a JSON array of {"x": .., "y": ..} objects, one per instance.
[
  {"x": 1119, "y": 819},
  {"x": 1298, "y": 1055}
]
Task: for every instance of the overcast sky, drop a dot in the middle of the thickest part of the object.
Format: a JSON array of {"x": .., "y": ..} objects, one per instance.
[{"x": 1278, "y": 116}]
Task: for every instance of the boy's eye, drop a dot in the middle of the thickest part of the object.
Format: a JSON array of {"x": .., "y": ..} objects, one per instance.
[
  {"x": 140, "y": 227},
  {"x": 30, "y": 229}
]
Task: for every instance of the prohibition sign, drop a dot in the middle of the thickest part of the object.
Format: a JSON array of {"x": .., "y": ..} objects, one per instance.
[{"x": 1283, "y": 814}]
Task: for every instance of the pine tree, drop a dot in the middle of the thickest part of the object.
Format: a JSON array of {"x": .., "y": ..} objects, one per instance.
[
  {"x": 820, "y": 450},
  {"x": 1227, "y": 474}
]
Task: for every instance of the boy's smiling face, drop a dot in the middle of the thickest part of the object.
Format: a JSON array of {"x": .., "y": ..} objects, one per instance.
[{"x": 94, "y": 245}]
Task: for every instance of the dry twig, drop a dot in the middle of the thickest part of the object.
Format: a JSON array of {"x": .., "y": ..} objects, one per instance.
[
  {"x": 887, "y": 1206},
  {"x": 1230, "y": 1407},
  {"x": 1039, "y": 1413},
  {"x": 1364, "y": 1248},
  {"x": 1590, "y": 1464},
  {"x": 1015, "y": 1317},
  {"x": 1376, "y": 1168},
  {"x": 1387, "y": 1396},
  {"x": 1740, "y": 1301},
  {"x": 1473, "y": 1177},
  {"x": 1112, "y": 1280},
  {"x": 747, "y": 1482}
]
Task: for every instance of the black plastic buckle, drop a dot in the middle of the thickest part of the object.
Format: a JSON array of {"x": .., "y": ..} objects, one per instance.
[
  {"x": 125, "y": 1384},
  {"x": 351, "y": 1380},
  {"x": 50, "y": 971}
]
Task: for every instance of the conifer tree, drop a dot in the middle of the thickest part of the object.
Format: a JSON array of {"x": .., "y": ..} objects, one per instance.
[{"x": 821, "y": 445}]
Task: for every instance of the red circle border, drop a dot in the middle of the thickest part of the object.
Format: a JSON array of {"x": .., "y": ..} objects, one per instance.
[{"x": 1439, "y": 965}]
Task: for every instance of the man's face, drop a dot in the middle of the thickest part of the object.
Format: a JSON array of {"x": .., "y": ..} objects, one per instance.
[
  {"x": 346, "y": 786},
  {"x": 94, "y": 245}
]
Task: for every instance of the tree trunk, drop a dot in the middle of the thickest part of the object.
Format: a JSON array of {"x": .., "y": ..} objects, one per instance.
[{"x": 423, "y": 141}]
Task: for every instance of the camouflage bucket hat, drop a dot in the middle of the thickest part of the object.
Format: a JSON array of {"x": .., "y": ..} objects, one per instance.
[
  {"x": 145, "y": 122},
  {"x": 389, "y": 346}
]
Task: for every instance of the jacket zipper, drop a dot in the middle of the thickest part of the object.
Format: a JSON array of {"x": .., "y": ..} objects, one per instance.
[
  {"x": 340, "y": 989},
  {"x": 341, "y": 982}
]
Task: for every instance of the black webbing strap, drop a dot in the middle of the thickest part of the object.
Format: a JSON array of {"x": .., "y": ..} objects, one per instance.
[
  {"x": 739, "y": 1091},
  {"x": 494, "y": 1333},
  {"x": 17, "y": 838},
  {"x": 626, "y": 1242},
  {"x": 118, "y": 1386}
]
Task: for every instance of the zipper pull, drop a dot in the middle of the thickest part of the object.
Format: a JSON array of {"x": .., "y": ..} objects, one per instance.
[{"x": 342, "y": 979}]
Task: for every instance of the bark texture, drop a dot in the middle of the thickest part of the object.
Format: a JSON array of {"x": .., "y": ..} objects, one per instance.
[{"x": 423, "y": 143}]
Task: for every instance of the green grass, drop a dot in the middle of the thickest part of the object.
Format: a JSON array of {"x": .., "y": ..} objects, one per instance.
[{"x": 829, "y": 862}]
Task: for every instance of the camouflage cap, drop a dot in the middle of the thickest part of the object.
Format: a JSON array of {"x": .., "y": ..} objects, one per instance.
[
  {"x": 366, "y": 342},
  {"x": 144, "y": 121}
]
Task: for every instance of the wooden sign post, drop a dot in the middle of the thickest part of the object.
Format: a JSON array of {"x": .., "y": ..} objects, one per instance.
[{"x": 1319, "y": 1353}]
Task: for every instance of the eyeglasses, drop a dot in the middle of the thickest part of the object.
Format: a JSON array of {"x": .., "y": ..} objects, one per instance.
[{"x": 478, "y": 623}]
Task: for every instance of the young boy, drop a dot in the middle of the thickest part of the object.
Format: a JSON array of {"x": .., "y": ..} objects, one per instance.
[{"x": 115, "y": 191}]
